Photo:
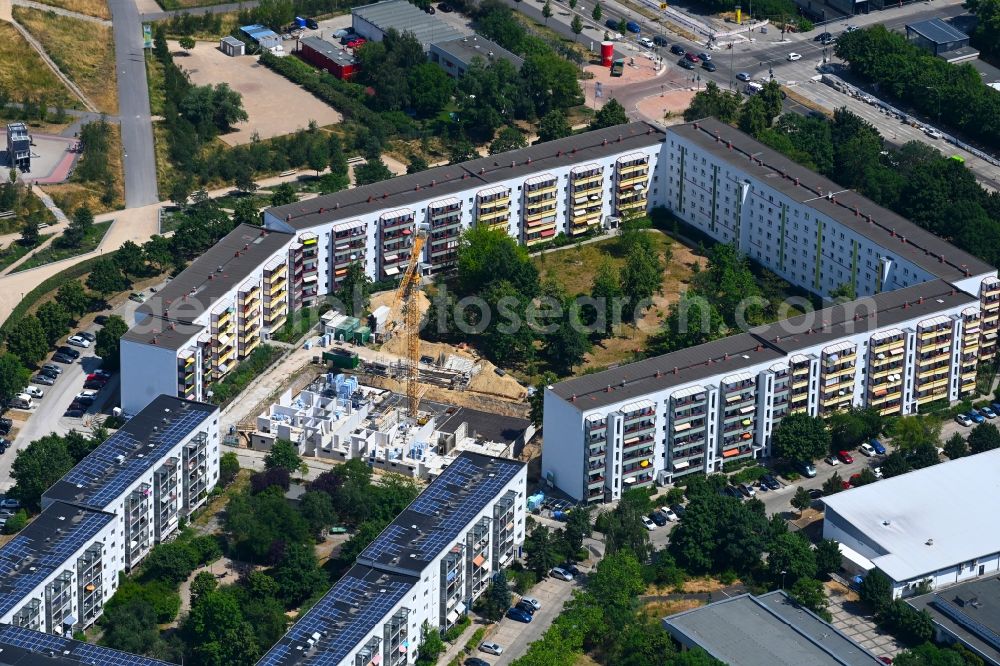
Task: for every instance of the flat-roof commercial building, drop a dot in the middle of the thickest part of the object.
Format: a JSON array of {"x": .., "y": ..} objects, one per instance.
[
  {"x": 942, "y": 39},
  {"x": 927, "y": 314},
  {"x": 968, "y": 613},
  {"x": 455, "y": 56},
  {"x": 328, "y": 56},
  {"x": 106, "y": 513},
  {"x": 265, "y": 37},
  {"x": 766, "y": 630},
  {"x": 428, "y": 566},
  {"x": 373, "y": 22},
  {"x": 929, "y": 525}
]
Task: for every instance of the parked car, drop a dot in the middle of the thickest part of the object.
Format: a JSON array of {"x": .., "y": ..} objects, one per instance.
[
  {"x": 769, "y": 481},
  {"x": 815, "y": 494},
  {"x": 976, "y": 416},
  {"x": 668, "y": 514},
  {"x": 692, "y": 57},
  {"x": 660, "y": 40},
  {"x": 732, "y": 492},
  {"x": 821, "y": 36},
  {"x": 87, "y": 335},
  {"x": 73, "y": 412},
  {"x": 5, "y": 425},
  {"x": 611, "y": 24},
  {"x": 519, "y": 615},
  {"x": 34, "y": 391},
  {"x": 445, "y": 7},
  {"x": 679, "y": 510},
  {"x": 77, "y": 405},
  {"x": 59, "y": 357},
  {"x": 746, "y": 490},
  {"x": 44, "y": 380},
  {"x": 854, "y": 481},
  {"x": 650, "y": 525},
  {"x": 100, "y": 375},
  {"x": 658, "y": 518},
  {"x": 101, "y": 320},
  {"x": 807, "y": 468},
  {"x": 867, "y": 450},
  {"x": 708, "y": 66},
  {"x": 312, "y": 24},
  {"x": 995, "y": 406},
  {"x": 53, "y": 368},
  {"x": 69, "y": 351},
  {"x": 851, "y": 28},
  {"x": 686, "y": 64},
  {"x": 571, "y": 568},
  {"x": 792, "y": 57},
  {"x": 526, "y": 607},
  {"x": 933, "y": 133},
  {"x": 633, "y": 27},
  {"x": 677, "y": 49},
  {"x": 22, "y": 401},
  {"x": 96, "y": 384},
  {"x": 474, "y": 661},
  {"x": 4, "y": 444},
  {"x": 49, "y": 374},
  {"x": 430, "y": 9},
  {"x": 744, "y": 76},
  {"x": 489, "y": 647},
  {"x": 878, "y": 446},
  {"x": 845, "y": 457},
  {"x": 560, "y": 573},
  {"x": 531, "y": 601},
  {"x": 964, "y": 420},
  {"x": 826, "y": 41},
  {"x": 987, "y": 412},
  {"x": 84, "y": 400},
  {"x": 831, "y": 460},
  {"x": 10, "y": 504},
  {"x": 647, "y": 42}
]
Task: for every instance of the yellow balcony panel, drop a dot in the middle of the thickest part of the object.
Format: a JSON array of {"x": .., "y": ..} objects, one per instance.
[
  {"x": 624, "y": 170},
  {"x": 252, "y": 346},
  {"x": 541, "y": 191},
  {"x": 888, "y": 397},
  {"x": 886, "y": 347},
  {"x": 634, "y": 204},
  {"x": 843, "y": 372},
  {"x": 931, "y": 398},
  {"x": 278, "y": 273},
  {"x": 276, "y": 287},
  {"x": 889, "y": 410}
]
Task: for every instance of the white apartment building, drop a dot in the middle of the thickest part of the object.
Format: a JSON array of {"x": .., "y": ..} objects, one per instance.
[
  {"x": 105, "y": 515},
  {"x": 22, "y": 647},
  {"x": 927, "y": 314},
  {"x": 428, "y": 566}
]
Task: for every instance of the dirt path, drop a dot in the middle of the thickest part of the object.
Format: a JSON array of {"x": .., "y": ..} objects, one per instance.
[{"x": 225, "y": 571}]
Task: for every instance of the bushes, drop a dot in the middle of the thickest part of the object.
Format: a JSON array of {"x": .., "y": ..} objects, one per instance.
[
  {"x": 248, "y": 370},
  {"x": 477, "y": 637},
  {"x": 456, "y": 630}
]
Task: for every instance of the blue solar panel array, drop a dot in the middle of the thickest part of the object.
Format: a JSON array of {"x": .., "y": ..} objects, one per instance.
[
  {"x": 442, "y": 511},
  {"x": 349, "y": 612},
  {"x": 100, "y": 478},
  {"x": 74, "y": 652},
  {"x": 28, "y": 558}
]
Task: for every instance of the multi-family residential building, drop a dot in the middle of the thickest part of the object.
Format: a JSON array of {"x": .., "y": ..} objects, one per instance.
[
  {"x": 26, "y": 647},
  {"x": 427, "y": 567},
  {"x": 106, "y": 513},
  {"x": 926, "y": 316}
]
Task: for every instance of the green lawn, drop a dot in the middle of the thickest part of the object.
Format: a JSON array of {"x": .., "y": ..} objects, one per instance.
[
  {"x": 55, "y": 253},
  {"x": 17, "y": 250}
]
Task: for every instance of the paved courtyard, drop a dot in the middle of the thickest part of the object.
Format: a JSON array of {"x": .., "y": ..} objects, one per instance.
[
  {"x": 267, "y": 97},
  {"x": 852, "y": 618},
  {"x": 52, "y": 157}
]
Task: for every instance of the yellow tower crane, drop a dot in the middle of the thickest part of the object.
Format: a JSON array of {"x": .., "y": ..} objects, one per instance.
[{"x": 405, "y": 315}]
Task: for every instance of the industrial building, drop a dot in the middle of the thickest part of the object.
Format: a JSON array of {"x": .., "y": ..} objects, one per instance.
[
  {"x": 328, "y": 56},
  {"x": 455, "y": 56},
  {"x": 18, "y": 147},
  {"x": 338, "y": 418},
  {"x": 266, "y": 38},
  {"x": 923, "y": 528},
  {"x": 942, "y": 39},
  {"x": 106, "y": 513},
  {"x": 373, "y": 22},
  {"x": 927, "y": 314},
  {"x": 967, "y": 614},
  {"x": 765, "y": 630},
  {"x": 231, "y": 46},
  {"x": 428, "y": 566}
]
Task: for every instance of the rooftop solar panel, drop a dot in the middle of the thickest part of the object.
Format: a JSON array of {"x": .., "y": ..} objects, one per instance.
[{"x": 72, "y": 652}]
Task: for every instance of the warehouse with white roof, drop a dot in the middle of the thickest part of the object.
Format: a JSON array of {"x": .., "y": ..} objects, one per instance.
[{"x": 936, "y": 524}]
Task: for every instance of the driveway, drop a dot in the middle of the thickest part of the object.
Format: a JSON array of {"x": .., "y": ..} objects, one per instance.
[{"x": 515, "y": 637}]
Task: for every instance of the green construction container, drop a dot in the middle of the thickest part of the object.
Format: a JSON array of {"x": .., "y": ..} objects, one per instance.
[
  {"x": 362, "y": 335},
  {"x": 342, "y": 359},
  {"x": 345, "y": 329}
]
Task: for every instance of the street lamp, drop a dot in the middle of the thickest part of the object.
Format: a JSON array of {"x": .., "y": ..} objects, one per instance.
[{"x": 783, "y": 572}]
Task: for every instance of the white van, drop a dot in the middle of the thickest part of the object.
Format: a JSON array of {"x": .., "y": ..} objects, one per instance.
[
  {"x": 752, "y": 88},
  {"x": 22, "y": 401}
]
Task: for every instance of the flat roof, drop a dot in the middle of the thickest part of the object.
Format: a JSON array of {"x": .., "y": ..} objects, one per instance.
[
  {"x": 437, "y": 517},
  {"x": 142, "y": 442},
  {"x": 466, "y": 49},
  {"x": 25, "y": 647},
  {"x": 483, "y": 172},
  {"x": 219, "y": 269},
  {"x": 893, "y": 232},
  {"x": 43, "y": 547},
  {"x": 334, "y": 52},
  {"x": 925, "y": 520},
  {"x": 762, "y": 344},
  {"x": 937, "y": 31},
  {"x": 487, "y": 425},
  {"x": 354, "y": 606},
  {"x": 769, "y": 630},
  {"x": 969, "y": 611},
  {"x": 401, "y": 16}
]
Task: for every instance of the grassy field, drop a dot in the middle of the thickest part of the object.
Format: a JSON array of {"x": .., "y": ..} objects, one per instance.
[
  {"x": 574, "y": 268},
  {"x": 71, "y": 195},
  {"x": 98, "y": 8},
  {"x": 154, "y": 81},
  {"x": 54, "y": 253},
  {"x": 188, "y": 4},
  {"x": 22, "y": 70},
  {"x": 83, "y": 50},
  {"x": 16, "y": 250}
]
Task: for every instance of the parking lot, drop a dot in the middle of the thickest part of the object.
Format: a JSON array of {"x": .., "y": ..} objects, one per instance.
[{"x": 515, "y": 636}]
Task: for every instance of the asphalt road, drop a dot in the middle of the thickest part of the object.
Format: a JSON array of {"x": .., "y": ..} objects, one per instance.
[
  {"x": 133, "y": 100},
  {"x": 214, "y": 9}
]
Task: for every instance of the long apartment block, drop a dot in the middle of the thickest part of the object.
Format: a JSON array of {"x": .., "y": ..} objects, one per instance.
[
  {"x": 925, "y": 318},
  {"x": 426, "y": 568},
  {"x": 105, "y": 515}
]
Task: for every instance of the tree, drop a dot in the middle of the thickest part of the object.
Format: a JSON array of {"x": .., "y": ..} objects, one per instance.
[
  {"x": 895, "y": 464},
  {"x": 606, "y": 291},
  {"x": 212, "y": 109},
  {"x": 865, "y": 477},
  {"x": 616, "y": 582},
  {"x": 713, "y": 101},
  {"x": 497, "y": 599},
  {"x": 203, "y": 583},
  {"x": 129, "y": 259},
  {"x": 509, "y": 138},
  {"x": 83, "y": 220},
  {"x": 596, "y": 13},
  {"x": 430, "y": 89},
  {"x": 576, "y": 25},
  {"x": 984, "y": 437},
  {"x": 229, "y": 467},
  {"x": 909, "y": 432},
  {"x": 172, "y": 562},
  {"x": 851, "y": 427},
  {"x": 180, "y": 189},
  {"x": 578, "y": 528},
  {"x": 37, "y": 467},
  {"x": 609, "y": 115},
  {"x": 157, "y": 251},
  {"x": 317, "y": 154},
  {"x": 416, "y": 163},
  {"x": 245, "y": 212},
  {"x": 216, "y": 632},
  {"x": 259, "y": 525},
  {"x": 800, "y": 437},
  {"x": 547, "y": 11},
  {"x": 106, "y": 278},
  {"x": 26, "y": 339},
  {"x": 461, "y": 151},
  {"x": 371, "y": 171},
  {"x": 834, "y": 484},
  {"x": 278, "y": 477},
  {"x": 810, "y": 593},
  {"x": 923, "y": 455},
  {"x": 72, "y": 296},
  {"x": 298, "y": 575},
  {"x": 487, "y": 257},
  {"x": 317, "y": 509},
  {"x": 753, "y": 116},
  {"x": 956, "y": 447},
  {"x": 641, "y": 277},
  {"x": 929, "y": 654},
  {"x": 801, "y": 499},
  {"x": 29, "y": 232},
  {"x": 186, "y": 43},
  {"x": 876, "y": 590},
  {"x": 553, "y": 125},
  {"x": 828, "y": 557},
  {"x": 540, "y": 550},
  {"x": 568, "y": 345},
  {"x": 431, "y": 646},
  {"x": 13, "y": 376},
  {"x": 54, "y": 320},
  {"x": 790, "y": 557},
  {"x": 355, "y": 290},
  {"x": 284, "y": 194},
  {"x": 108, "y": 341}
]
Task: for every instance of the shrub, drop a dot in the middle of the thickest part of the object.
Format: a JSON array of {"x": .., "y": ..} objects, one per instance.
[
  {"x": 477, "y": 637},
  {"x": 452, "y": 634}
]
